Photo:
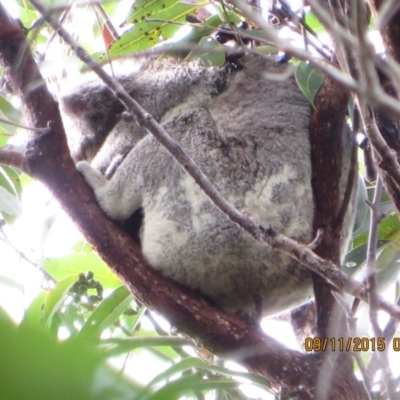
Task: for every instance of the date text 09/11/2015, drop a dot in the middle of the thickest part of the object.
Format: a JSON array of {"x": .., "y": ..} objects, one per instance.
[{"x": 350, "y": 344}]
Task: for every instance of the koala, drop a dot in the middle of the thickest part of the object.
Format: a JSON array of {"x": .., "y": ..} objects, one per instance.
[{"x": 247, "y": 133}]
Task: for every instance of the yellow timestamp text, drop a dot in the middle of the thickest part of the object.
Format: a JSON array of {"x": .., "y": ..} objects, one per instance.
[{"x": 350, "y": 344}]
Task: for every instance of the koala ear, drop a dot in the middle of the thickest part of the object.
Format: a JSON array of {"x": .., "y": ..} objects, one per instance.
[{"x": 89, "y": 111}]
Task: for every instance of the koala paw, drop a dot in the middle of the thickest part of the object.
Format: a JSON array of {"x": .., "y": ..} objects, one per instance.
[
  {"x": 92, "y": 177},
  {"x": 82, "y": 166}
]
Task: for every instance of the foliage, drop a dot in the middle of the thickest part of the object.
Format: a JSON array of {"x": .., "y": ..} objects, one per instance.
[
  {"x": 37, "y": 365},
  {"x": 84, "y": 302}
]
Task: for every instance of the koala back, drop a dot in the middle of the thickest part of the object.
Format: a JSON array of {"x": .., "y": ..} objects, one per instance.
[{"x": 249, "y": 135}]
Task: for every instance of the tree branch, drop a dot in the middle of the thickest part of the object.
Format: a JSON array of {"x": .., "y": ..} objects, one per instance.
[
  {"x": 374, "y": 95},
  {"x": 11, "y": 158},
  {"x": 269, "y": 236},
  {"x": 47, "y": 159}
]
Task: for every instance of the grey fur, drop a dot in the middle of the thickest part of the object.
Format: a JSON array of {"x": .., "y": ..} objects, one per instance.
[{"x": 248, "y": 134}]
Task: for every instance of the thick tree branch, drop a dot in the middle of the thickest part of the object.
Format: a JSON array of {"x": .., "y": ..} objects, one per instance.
[
  {"x": 12, "y": 158},
  {"x": 326, "y": 129},
  {"x": 326, "y": 132}
]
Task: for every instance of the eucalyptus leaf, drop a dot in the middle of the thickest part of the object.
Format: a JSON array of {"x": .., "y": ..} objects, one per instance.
[
  {"x": 209, "y": 26},
  {"x": 76, "y": 263},
  {"x": 356, "y": 257},
  {"x": 389, "y": 229},
  {"x": 35, "y": 365},
  {"x": 9, "y": 203},
  {"x": 387, "y": 264},
  {"x": 209, "y": 51},
  {"x": 107, "y": 312},
  {"x": 9, "y": 180},
  {"x": 9, "y": 113},
  {"x": 193, "y": 365},
  {"x": 313, "y": 22},
  {"x": 189, "y": 385},
  {"x": 142, "y": 9},
  {"x": 25, "y": 4},
  {"x": 56, "y": 296},
  {"x": 113, "y": 347},
  {"x": 11, "y": 283},
  {"x": 361, "y": 223},
  {"x": 35, "y": 311},
  {"x": 152, "y": 30},
  {"x": 309, "y": 80}
]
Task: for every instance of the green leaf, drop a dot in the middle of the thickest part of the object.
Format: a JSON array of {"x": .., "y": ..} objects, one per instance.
[
  {"x": 83, "y": 247},
  {"x": 313, "y": 22},
  {"x": 11, "y": 283},
  {"x": 209, "y": 26},
  {"x": 210, "y": 52},
  {"x": 145, "y": 34},
  {"x": 60, "y": 268},
  {"x": 9, "y": 204},
  {"x": 108, "y": 311},
  {"x": 56, "y": 296},
  {"x": 72, "y": 317},
  {"x": 34, "y": 365},
  {"x": 27, "y": 13},
  {"x": 143, "y": 9},
  {"x": 110, "y": 7},
  {"x": 9, "y": 112},
  {"x": 361, "y": 222},
  {"x": 183, "y": 385},
  {"x": 114, "y": 347},
  {"x": 4, "y": 136},
  {"x": 309, "y": 80},
  {"x": 34, "y": 313},
  {"x": 25, "y": 4},
  {"x": 387, "y": 263},
  {"x": 9, "y": 180},
  {"x": 356, "y": 257},
  {"x": 190, "y": 385},
  {"x": 389, "y": 229}
]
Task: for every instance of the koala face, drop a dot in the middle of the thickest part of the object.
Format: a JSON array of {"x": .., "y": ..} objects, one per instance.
[{"x": 249, "y": 135}]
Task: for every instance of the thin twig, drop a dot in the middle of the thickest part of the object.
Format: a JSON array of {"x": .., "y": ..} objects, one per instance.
[
  {"x": 53, "y": 34},
  {"x": 22, "y": 255},
  {"x": 388, "y": 334},
  {"x": 99, "y": 8},
  {"x": 388, "y": 159},
  {"x": 373, "y": 94},
  {"x": 317, "y": 240},
  {"x": 351, "y": 321},
  {"x": 386, "y": 12},
  {"x": 16, "y": 124},
  {"x": 371, "y": 256},
  {"x": 373, "y": 284}
]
